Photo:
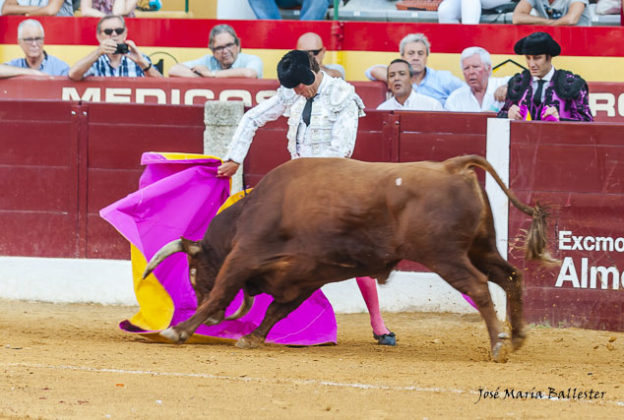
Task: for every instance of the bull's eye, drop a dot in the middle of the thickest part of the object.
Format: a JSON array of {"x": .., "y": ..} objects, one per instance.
[{"x": 192, "y": 275}]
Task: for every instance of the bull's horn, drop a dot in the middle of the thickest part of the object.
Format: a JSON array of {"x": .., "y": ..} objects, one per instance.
[
  {"x": 171, "y": 248},
  {"x": 243, "y": 309}
]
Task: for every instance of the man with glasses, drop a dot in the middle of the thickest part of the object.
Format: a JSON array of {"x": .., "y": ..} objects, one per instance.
[
  {"x": 552, "y": 13},
  {"x": 313, "y": 44},
  {"x": 116, "y": 56},
  {"x": 226, "y": 60},
  {"x": 30, "y": 36}
]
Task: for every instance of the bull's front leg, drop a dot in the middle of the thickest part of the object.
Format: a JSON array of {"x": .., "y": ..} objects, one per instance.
[
  {"x": 210, "y": 312},
  {"x": 275, "y": 312}
]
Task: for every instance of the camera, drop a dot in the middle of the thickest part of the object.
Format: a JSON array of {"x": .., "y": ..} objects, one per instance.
[{"x": 121, "y": 49}]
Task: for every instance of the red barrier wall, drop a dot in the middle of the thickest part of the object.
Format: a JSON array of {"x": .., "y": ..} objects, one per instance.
[
  {"x": 576, "y": 169},
  {"x": 63, "y": 161}
]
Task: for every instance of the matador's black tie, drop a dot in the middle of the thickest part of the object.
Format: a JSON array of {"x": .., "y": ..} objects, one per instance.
[
  {"x": 537, "y": 99},
  {"x": 307, "y": 111}
]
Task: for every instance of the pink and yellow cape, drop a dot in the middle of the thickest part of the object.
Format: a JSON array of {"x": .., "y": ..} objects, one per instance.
[{"x": 178, "y": 195}]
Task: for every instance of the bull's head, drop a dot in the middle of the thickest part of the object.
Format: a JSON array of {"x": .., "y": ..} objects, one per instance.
[{"x": 203, "y": 270}]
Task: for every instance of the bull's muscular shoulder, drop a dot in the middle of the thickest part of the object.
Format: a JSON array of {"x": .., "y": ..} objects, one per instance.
[
  {"x": 339, "y": 94},
  {"x": 517, "y": 85},
  {"x": 567, "y": 84}
]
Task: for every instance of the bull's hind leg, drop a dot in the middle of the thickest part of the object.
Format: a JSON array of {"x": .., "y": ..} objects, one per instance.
[
  {"x": 463, "y": 276},
  {"x": 509, "y": 278},
  {"x": 275, "y": 312}
]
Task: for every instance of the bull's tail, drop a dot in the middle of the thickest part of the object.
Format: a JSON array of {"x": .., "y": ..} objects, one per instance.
[{"x": 536, "y": 239}]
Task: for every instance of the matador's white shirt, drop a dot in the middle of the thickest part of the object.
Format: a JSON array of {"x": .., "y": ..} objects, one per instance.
[{"x": 333, "y": 122}]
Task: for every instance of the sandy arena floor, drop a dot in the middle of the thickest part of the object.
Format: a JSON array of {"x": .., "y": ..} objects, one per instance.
[{"x": 71, "y": 361}]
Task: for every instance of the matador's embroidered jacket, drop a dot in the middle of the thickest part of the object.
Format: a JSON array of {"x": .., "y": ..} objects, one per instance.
[
  {"x": 566, "y": 91},
  {"x": 333, "y": 122}
]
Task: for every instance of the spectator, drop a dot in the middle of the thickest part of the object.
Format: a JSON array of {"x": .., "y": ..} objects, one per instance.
[
  {"x": 11, "y": 71},
  {"x": 100, "y": 8},
  {"x": 37, "y": 7},
  {"x": 30, "y": 36},
  {"x": 400, "y": 75},
  {"x": 608, "y": 7},
  {"x": 466, "y": 11},
  {"x": 310, "y": 9},
  {"x": 116, "y": 56},
  {"x": 226, "y": 60},
  {"x": 543, "y": 93},
  {"x": 414, "y": 49},
  {"x": 552, "y": 13},
  {"x": 323, "y": 116},
  {"x": 482, "y": 92},
  {"x": 313, "y": 44}
]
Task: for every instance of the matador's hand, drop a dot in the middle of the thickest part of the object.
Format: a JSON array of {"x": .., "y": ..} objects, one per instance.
[{"x": 228, "y": 168}]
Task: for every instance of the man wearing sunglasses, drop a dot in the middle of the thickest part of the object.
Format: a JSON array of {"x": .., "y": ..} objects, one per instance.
[
  {"x": 313, "y": 44},
  {"x": 323, "y": 114},
  {"x": 226, "y": 60},
  {"x": 30, "y": 36},
  {"x": 116, "y": 56}
]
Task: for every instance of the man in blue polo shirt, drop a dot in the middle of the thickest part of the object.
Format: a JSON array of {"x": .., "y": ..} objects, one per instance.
[
  {"x": 115, "y": 56},
  {"x": 226, "y": 60},
  {"x": 415, "y": 49},
  {"x": 30, "y": 36}
]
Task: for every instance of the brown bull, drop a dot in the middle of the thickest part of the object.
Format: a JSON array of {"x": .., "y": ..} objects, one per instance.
[{"x": 314, "y": 221}]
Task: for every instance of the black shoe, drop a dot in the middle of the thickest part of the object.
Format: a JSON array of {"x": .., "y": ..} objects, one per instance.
[{"x": 385, "y": 339}]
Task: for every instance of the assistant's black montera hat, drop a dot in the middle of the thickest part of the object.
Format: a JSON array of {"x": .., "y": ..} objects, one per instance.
[
  {"x": 294, "y": 68},
  {"x": 537, "y": 43}
]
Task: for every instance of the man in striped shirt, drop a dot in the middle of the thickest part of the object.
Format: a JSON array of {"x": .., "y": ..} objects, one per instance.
[{"x": 116, "y": 56}]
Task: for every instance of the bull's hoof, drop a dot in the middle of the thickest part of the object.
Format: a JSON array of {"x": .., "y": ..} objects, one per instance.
[
  {"x": 172, "y": 335},
  {"x": 518, "y": 341},
  {"x": 500, "y": 352},
  {"x": 249, "y": 342}
]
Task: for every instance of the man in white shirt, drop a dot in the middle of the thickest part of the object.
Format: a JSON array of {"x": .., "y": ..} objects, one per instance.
[
  {"x": 400, "y": 74},
  {"x": 323, "y": 114},
  {"x": 480, "y": 92}
]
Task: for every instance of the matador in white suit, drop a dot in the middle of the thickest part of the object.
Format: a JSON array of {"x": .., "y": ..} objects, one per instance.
[{"x": 323, "y": 114}]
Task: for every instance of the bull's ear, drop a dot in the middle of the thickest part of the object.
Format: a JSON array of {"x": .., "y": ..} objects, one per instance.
[{"x": 192, "y": 248}]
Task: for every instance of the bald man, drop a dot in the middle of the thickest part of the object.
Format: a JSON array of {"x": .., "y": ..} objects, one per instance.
[{"x": 313, "y": 44}]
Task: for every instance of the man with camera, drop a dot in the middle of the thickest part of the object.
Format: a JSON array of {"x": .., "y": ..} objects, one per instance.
[{"x": 115, "y": 56}]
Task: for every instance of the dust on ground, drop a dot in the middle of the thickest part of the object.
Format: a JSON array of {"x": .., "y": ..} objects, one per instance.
[{"x": 72, "y": 361}]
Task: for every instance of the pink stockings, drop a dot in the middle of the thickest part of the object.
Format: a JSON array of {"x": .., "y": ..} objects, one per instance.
[{"x": 368, "y": 288}]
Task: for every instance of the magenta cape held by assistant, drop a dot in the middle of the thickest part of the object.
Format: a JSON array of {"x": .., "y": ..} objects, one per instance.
[{"x": 178, "y": 196}]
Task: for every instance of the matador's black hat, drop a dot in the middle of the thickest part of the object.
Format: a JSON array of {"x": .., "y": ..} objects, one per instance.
[
  {"x": 294, "y": 68},
  {"x": 536, "y": 44}
]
